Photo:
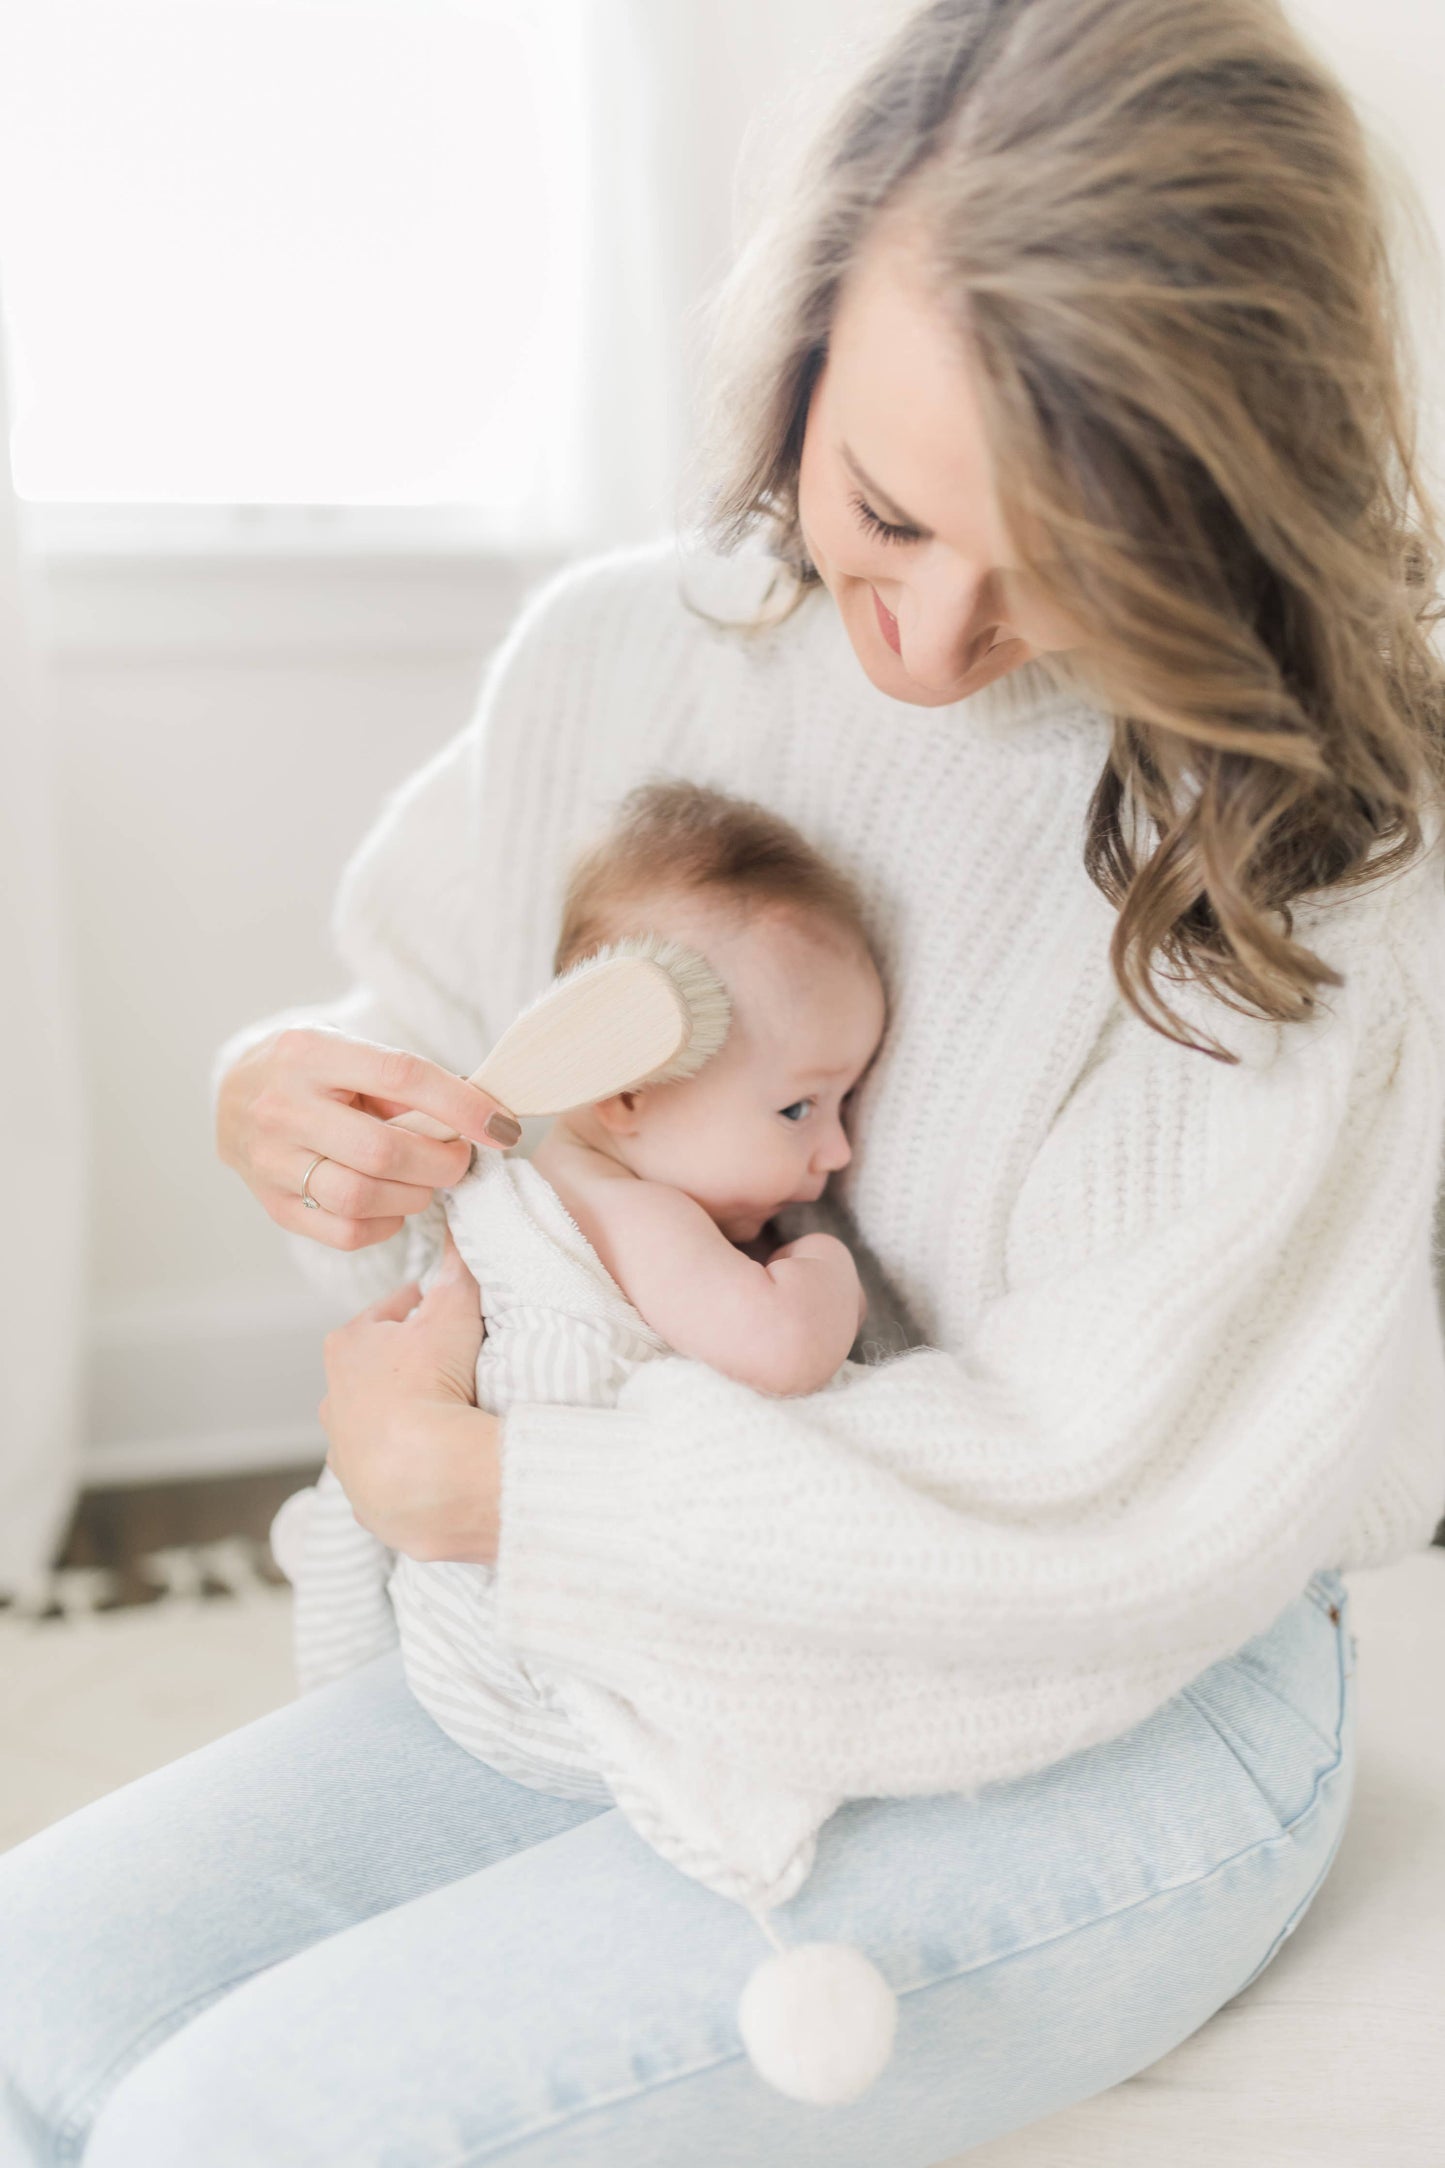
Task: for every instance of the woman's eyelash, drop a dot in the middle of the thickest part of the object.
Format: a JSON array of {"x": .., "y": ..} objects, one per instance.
[{"x": 884, "y": 529}]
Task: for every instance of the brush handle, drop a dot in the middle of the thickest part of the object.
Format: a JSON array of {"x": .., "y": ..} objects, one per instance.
[
  {"x": 599, "y": 1029},
  {"x": 427, "y": 1125}
]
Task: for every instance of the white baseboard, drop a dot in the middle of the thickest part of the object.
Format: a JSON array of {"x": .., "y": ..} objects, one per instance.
[{"x": 226, "y": 1382}]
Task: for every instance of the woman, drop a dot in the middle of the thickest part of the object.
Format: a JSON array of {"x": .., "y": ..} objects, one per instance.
[{"x": 1090, "y": 633}]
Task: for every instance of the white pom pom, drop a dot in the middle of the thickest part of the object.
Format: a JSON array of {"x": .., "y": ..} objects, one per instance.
[
  {"x": 818, "y": 2022},
  {"x": 288, "y": 1531}
]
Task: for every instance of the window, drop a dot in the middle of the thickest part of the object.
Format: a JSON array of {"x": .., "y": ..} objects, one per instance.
[{"x": 298, "y": 252}]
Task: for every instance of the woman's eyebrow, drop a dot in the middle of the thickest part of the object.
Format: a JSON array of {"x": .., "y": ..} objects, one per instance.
[{"x": 882, "y": 502}]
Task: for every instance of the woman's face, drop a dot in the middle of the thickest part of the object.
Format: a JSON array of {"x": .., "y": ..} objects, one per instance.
[{"x": 896, "y": 498}]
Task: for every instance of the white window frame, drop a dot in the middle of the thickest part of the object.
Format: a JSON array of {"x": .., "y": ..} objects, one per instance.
[{"x": 174, "y": 583}]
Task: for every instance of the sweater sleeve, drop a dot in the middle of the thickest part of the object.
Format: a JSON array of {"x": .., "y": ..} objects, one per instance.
[{"x": 1215, "y": 1305}]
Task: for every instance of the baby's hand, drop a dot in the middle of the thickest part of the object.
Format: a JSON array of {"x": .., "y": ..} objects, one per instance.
[
  {"x": 837, "y": 1255},
  {"x": 814, "y": 1245},
  {"x": 781, "y": 1326}
]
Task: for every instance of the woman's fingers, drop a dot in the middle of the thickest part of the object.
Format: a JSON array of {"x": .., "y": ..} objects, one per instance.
[
  {"x": 368, "y": 1176},
  {"x": 409, "y": 1081},
  {"x": 392, "y": 1170},
  {"x": 343, "y": 1195},
  {"x": 326, "y": 1227},
  {"x": 313, "y": 1099}
]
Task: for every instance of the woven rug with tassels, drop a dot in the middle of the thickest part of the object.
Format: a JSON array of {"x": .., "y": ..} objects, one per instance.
[{"x": 97, "y": 1688}]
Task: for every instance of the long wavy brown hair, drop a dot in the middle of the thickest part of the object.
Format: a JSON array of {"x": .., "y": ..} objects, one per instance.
[{"x": 1173, "y": 249}]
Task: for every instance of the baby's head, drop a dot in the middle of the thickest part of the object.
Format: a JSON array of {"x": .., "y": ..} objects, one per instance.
[{"x": 761, "y": 1124}]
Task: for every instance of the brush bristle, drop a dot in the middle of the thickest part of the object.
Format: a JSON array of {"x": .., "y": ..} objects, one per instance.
[
  {"x": 707, "y": 1002},
  {"x": 701, "y": 994}
]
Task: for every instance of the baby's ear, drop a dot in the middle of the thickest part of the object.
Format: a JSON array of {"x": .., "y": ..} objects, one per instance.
[{"x": 620, "y": 1112}]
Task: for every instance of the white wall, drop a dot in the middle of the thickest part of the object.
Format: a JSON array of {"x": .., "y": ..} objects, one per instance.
[
  {"x": 229, "y": 727},
  {"x": 1390, "y": 54},
  {"x": 228, "y": 732}
]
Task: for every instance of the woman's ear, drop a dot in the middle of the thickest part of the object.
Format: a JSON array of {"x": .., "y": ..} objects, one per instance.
[{"x": 620, "y": 1112}]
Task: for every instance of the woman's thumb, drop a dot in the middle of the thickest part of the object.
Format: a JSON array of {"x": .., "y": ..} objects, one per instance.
[
  {"x": 447, "y": 1275},
  {"x": 389, "y": 1309}
]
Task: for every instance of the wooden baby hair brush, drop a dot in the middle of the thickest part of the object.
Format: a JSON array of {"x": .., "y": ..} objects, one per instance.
[{"x": 642, "y": 1010}]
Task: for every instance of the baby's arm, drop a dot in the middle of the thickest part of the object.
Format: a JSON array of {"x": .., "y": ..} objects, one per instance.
[{"x": 784, "y": 1327}]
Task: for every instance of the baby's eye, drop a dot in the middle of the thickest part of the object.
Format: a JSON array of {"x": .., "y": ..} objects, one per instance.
[{"x": 788, "y": 1112}]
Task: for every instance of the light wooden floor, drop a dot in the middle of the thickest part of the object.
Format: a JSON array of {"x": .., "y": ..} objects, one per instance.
[{"x": 166, "y": 1624}]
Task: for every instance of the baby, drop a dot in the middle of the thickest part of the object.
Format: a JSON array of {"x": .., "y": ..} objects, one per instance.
[{"x": 638, "y": 1229}]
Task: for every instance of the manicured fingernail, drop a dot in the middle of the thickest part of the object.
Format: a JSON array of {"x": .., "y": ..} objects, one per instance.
[{"x": 503, "y": 1128}]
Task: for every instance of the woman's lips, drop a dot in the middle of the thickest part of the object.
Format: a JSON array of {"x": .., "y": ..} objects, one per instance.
[{"x": 887, "y": 624}]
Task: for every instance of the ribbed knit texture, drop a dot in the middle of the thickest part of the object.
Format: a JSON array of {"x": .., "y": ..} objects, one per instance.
[{"x": 1175, "y": 1338}]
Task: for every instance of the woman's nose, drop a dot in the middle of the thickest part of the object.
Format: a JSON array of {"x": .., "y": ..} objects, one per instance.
[{"x": 940, "y": 619}]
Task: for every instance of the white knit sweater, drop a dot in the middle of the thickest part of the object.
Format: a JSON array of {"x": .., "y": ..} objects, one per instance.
[{"x": 1174, "y": 1338}]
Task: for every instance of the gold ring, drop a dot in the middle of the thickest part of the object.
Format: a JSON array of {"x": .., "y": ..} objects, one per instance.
[{"x": 308, "y": 1200}]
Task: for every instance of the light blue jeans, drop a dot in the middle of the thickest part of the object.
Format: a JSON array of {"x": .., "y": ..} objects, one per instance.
[{"x": 334, "y": 1937}]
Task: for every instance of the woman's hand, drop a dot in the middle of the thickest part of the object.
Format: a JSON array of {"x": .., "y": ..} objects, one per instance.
[
  {"x": 305, "y": 1090},
  {"x": 419, "y": 1461}
]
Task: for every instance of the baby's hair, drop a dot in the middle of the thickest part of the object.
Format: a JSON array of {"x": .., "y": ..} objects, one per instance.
[{"x": 669, "y": 835}]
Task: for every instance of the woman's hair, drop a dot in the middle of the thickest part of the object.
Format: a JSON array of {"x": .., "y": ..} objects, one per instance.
[
  {"x": 671, "y": 837},
  {"x": 1161, "y": 231}
]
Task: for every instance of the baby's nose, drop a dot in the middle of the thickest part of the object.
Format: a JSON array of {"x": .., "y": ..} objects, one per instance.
[{"x": 838, "y": 1151}]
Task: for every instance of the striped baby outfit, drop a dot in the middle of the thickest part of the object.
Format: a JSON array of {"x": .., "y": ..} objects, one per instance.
[{"x": 558, "y": 1328}]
